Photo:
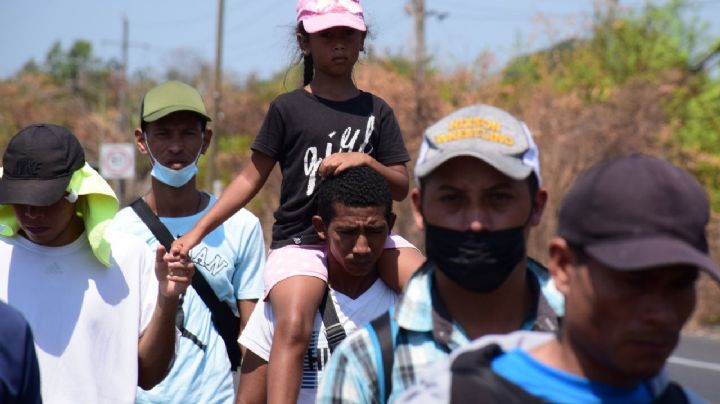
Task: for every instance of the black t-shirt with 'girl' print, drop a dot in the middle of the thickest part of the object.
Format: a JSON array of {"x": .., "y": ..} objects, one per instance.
[{"x": 300, "y": 129}]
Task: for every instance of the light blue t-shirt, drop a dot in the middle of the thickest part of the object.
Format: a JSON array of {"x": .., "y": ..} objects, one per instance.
[
  {"x": 557, "y": 386},
  {"x": 231, "y": 260}
]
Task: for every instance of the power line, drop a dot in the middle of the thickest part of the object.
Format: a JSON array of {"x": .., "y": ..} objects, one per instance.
[
  {"x": 254, "y": 19},
  {"x": 204, "y": 18}
]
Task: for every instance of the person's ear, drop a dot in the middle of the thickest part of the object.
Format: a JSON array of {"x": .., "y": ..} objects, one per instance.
[
  {"x": 140, "y": 141},
  {"x": 207, "y": 137},
  {"x": 391, "y": 223},
  {"x": 561, "y": 262},
  {"x": 303, "y": 42},
  {"x": 416, "y": 199},
  {"x": 319, "y": 226},
  {"x": 539, "y": 202}
]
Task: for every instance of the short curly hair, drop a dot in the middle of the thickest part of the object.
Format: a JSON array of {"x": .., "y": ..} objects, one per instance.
[{"x": 357, "y": 187}]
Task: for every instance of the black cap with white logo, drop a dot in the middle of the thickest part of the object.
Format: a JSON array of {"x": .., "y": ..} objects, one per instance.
[{"x": 38, "y": 164}]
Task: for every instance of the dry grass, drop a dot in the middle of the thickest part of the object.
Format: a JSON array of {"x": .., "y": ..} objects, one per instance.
[{"x": 572, "y": 134}]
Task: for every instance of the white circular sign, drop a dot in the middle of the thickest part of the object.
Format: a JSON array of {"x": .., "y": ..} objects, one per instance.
[{"x": 117, "y": 160}]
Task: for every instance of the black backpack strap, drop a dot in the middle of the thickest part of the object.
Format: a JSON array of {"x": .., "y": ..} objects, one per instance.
[
  {"x": 383, "y": 333},
  {"x": 672, "y": 394},
  {"x": 180, "y": 324},
  {"x": 161, "y": 233},
  {"x": 223, "y": 318},
  {"x": 334, "y": 331},
  {"x": 472, "y": 376}
]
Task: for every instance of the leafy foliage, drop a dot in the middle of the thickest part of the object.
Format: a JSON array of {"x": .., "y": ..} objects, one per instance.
[
  {"x": 638, "y": 45},
  {"x": 628, "y": 83}
]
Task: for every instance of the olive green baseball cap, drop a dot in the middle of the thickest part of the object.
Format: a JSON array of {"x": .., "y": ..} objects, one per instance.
[{"x": 169, "y": 97}]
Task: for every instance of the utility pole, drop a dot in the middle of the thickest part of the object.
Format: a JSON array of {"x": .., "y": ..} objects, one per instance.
[
  {"x": 608, "y": 9},
  {"x": 613, "y": 7},
  {"x": 123, "y": 123},
  {"x": 217, "y": 97},
  {"x": 417, "y": 10},
  {"x": 122, "y": 89},
  {"x": 123, "y": 117}
]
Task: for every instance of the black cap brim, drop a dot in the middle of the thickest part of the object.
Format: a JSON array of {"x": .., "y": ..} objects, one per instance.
[
  {"x": 32, "y": 192},
  {"x": 651, "y": 252}
]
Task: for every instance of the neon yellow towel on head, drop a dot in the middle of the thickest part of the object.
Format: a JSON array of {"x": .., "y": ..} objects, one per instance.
[{"x": 96, "y": 205}]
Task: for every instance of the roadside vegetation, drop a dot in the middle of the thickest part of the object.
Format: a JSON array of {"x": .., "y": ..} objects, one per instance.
[{"x": 634, "y": 80}]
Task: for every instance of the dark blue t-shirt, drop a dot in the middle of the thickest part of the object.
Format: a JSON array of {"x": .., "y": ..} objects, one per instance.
[
  {"x": 556, "y": 386},
  {"x": 19, "y": 372}
]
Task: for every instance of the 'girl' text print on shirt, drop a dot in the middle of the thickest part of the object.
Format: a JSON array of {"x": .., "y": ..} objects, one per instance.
[{"x": 347, "y": 144}]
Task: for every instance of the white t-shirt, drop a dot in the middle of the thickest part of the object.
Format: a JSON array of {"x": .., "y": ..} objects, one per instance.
[
  {"x": 86, "y": 318},
  {"x": 230, "y": 258},
  {"x": 258, "y": 333}
]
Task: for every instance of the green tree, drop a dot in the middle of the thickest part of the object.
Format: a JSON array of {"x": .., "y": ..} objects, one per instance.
[
  {"x": 639, "y": 44},
  {"x": 82, "y": 72},
  {"x": 71, "y": 65}
]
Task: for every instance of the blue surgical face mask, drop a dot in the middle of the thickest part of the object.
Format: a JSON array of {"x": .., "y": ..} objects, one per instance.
[{"x": 168, "y": 176}]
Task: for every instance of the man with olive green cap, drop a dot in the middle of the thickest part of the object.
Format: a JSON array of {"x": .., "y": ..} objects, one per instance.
[
  {"x": 173, "y": 133},
  {"x": 101, "y": 306}
]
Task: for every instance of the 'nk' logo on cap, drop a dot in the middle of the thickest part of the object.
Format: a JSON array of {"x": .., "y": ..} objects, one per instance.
[{"x": 27, "y": 168}]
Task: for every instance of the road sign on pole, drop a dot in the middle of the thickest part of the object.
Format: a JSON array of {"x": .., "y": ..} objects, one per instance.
[{"x": 117, "y": 160}]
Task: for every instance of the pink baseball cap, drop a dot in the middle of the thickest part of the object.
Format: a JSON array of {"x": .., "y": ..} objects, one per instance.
[{"x": 318, "y": 15}]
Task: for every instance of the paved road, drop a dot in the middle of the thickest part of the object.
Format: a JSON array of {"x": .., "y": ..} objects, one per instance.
[{"x": 696, "y": 363}]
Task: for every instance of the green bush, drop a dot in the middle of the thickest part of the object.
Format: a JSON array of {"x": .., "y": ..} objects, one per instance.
[{"x": 641, "y": 44}]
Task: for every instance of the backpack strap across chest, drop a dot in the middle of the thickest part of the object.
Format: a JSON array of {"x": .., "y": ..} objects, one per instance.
[
  {"x": 383, "y": 334},
  {"x": 223, "y": 318},
  {"x": 334, "y": 331}
]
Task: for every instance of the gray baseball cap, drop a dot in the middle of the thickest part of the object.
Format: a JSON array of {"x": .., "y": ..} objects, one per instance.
[{"x": 484, "y": 132}]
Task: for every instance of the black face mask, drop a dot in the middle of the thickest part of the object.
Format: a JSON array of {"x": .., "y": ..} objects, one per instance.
[{"x": 477, "y": 261}]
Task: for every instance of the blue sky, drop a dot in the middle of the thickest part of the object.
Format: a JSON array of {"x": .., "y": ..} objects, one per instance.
[{"x": 165, "y": 33}]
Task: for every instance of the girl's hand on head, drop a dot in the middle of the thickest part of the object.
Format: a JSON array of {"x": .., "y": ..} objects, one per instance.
[{"x": 336, "y": 163}]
